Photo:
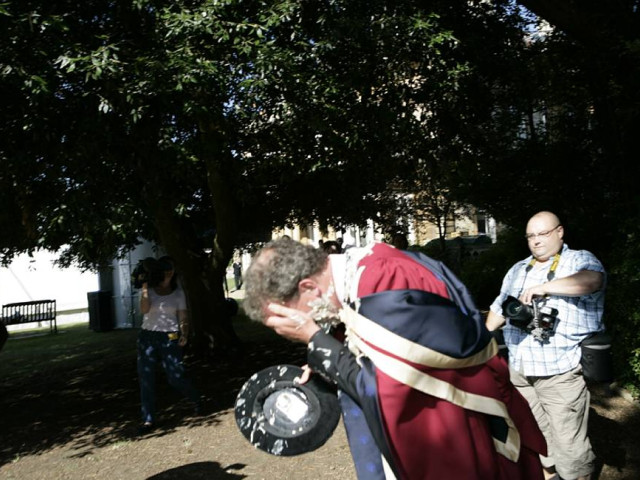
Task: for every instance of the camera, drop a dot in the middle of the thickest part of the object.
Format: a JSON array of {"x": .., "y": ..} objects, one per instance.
[
  {"x": 149, "y": 271},
  {"x": 538, "y": 320}
]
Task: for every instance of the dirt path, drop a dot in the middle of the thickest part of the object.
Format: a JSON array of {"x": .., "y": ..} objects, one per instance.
[
  {"x": 209, "y": 449},
  {"x": 82, "y": 425}
]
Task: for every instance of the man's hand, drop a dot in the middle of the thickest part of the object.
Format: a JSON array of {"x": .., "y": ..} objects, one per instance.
[
  {"x": 290, "y": 323},
  {"x": 535, "y": 291}
]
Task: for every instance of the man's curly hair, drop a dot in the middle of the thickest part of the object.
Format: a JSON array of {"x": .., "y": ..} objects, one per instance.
[{"x": 275, "y": 272}]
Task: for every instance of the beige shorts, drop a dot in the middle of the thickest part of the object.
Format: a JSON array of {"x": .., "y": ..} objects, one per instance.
[{"x": 560, "y": 404}]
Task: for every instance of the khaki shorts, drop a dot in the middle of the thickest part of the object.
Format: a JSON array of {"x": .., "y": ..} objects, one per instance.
[{"x": 560, "y": 404}]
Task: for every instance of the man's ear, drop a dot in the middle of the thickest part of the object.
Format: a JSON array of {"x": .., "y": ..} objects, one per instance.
[{"x": 305, "y": 285}]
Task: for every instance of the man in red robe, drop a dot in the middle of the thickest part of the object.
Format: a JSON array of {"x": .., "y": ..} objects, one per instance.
[{"x": 423, "y": 392}]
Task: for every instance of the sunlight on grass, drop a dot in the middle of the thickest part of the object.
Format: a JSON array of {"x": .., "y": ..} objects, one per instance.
[
  {"x": 64, "y": 358},
  {"x": 72, "y": 347},
  {"x": 120, "y": 444},
  {"x": 75, "y": 346}
]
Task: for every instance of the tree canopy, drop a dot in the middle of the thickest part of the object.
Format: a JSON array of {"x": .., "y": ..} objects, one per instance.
[
  {"x": 202, "y": 109},
  {"x": 203, "y": 124}
]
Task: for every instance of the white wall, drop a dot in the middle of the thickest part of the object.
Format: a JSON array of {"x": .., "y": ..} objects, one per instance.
[{"x": 37, "y": 278}]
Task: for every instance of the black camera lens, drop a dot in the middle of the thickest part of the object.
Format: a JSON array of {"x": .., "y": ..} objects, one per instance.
[
  {"x": 514, "y": 309},
  {"x": 139, "y": 275}
]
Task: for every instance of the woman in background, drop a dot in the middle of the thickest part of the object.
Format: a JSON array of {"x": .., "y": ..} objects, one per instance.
[{"x": 165, "y": 331}]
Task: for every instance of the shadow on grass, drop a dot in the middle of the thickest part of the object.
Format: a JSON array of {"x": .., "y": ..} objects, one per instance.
[
  {"x": 200, "y": 470},
  {"x": 80, "y": 389},
  {"x": 616, "y": 443}
]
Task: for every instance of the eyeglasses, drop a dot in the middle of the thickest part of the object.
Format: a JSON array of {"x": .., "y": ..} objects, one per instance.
[{"x": 545, "y": 234}]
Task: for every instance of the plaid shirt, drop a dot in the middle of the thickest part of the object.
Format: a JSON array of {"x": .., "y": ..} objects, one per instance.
[{"x": 578, "y": 317}]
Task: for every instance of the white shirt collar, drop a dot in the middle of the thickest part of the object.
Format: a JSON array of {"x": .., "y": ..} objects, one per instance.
[{"x": 338, "y": 262}]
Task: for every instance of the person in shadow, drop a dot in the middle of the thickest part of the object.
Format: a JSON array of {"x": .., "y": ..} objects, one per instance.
[{"x": 164, "y": 333}]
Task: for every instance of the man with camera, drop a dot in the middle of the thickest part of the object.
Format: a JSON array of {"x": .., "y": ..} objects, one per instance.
[{"x": 560, "y": 300}]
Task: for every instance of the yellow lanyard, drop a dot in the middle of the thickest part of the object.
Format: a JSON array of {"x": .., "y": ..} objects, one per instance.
[{"x": 552, "y": 270}]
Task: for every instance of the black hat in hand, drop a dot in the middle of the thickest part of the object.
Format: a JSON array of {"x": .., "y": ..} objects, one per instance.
[{"x": 282, "y": 417}]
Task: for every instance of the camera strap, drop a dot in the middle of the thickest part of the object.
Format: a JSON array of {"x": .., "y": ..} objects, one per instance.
[
  {"x": 550, "y": 275},
  {"x": 552, "y": 271},
  {"x": 544, "y": 331}
]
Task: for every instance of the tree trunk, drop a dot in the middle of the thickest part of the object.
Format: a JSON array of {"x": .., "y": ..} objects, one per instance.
[
  {"x": 202, "y": 280},
  {"x": 202, "y": 273}
]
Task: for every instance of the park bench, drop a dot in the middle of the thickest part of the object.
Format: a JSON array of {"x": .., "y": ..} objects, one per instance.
[{"x": 30, "y": 312}]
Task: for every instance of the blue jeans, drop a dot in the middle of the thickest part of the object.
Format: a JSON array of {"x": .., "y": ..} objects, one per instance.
[{"x": 154, "y": 346}]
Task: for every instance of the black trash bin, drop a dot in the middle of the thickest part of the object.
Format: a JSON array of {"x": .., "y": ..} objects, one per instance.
[{"x": 100, "y": 311}]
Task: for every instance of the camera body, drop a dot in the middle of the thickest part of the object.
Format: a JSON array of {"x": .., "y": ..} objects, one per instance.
[
  {"x": 149, "y": 271},
  {"x": 538, "y": 320}
]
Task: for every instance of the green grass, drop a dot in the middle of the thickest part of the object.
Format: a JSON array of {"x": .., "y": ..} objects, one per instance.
[
  {"x": 76, "y": 346},
  {"x": 231, "y": 283}
]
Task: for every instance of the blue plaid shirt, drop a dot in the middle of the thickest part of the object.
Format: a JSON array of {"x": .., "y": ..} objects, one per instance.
[{"x": 578, "y": 317}]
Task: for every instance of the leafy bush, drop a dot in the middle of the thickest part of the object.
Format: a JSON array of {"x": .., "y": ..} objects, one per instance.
[
  {"x": 482, "y": 274},
  {"x": 622, "y": 312}
]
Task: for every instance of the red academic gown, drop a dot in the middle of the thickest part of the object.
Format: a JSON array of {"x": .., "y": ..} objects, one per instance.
[{"x": 420, "y": 435}]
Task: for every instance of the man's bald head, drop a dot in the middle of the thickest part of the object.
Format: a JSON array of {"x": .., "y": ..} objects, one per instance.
[{"x": 545, "y": 216}]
